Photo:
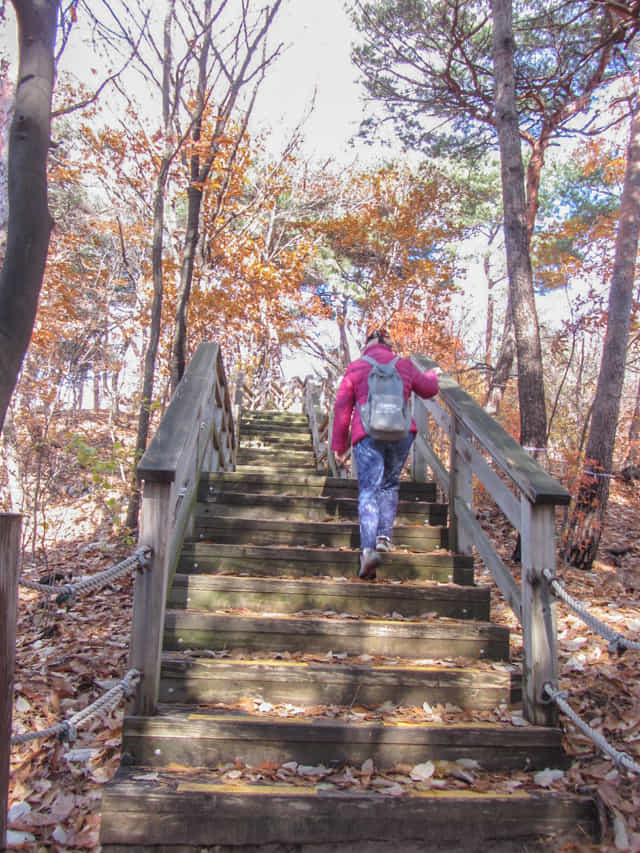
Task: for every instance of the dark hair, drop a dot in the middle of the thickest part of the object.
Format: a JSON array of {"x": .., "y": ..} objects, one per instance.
[{"x": 380, "y": 334}]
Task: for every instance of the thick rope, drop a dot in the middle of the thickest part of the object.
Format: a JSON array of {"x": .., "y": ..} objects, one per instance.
[
  {"x": 617, "y": 642},
  {"x": 620, "y": 759},
  {"x": 138, "y": 561},
  {"x": 67, "y": 729}
]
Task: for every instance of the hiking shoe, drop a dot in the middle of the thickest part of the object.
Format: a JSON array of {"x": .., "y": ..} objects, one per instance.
[
  {"x": 383, "y": 543},
  {"x": 369, "y": 559}
]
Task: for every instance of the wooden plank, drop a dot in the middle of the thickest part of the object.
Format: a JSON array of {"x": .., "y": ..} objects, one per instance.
[
  {"x": 302, "y": 483},
  {"x": 10, "y": 529},
  {"x": 419, "y": 460},
  {"x": 501, "y": 574},
  {"x": 439, "y": 414},
  {"x": 531, "y": 479},
  {"x": 200, "y": 814},
  {"x": 500, "y": 493},
  {"x": 208, "y": 739},
  {"x": 439, "y": 471},
  {"x": 311, "y": 508},
  {"x": 310, "y": 411},
  {"x": 540, "y": 663},
  {"x": 198, "y": 681},
  {"x": 274, "y": 561},
  {"x": 267, "y": 531},
  {"x": 436, "y": 638},
  {"x": 182, "y": 417},
  {"x": 150, "y": 592},
  {"x": 200, "y": 592},
  {"x": 460, "y": 487}
]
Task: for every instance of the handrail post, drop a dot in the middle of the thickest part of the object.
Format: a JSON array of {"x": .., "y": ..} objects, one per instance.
[
  {"x": 332, "y": 465},
  {"x": 10, "y": 527},
  {"x": 460, "y": 486},
  {"x": 237, "y": 406},
  {"x": 150, "y": 593},
  {"x": 310, "y": 411},
  {"x": 419, "y": 464},
  {"x": 540, "y": 663}
]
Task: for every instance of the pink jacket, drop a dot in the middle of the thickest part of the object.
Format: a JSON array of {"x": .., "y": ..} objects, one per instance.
[{"x": 354, "y": 388}]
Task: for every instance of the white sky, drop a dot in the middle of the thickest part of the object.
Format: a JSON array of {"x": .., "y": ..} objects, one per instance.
[{"x": 317, "y": 35}]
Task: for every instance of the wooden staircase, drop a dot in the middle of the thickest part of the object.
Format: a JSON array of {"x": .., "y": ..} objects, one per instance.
[{"x": 304, "y": 710}]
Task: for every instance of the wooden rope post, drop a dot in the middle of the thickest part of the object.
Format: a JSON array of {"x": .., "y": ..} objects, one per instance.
[
  {"x": 150, "y": 593},
  {"x": 10, "y": 528},
  {"x": 540, "y": 663}
]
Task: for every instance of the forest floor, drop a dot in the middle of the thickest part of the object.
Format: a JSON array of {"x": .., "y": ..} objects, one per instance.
[{"x": 68, "y": 656}]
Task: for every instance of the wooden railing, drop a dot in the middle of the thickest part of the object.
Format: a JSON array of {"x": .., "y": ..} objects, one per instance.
[
  {"x": 195, "y": 435},
  {"x": 320, "y": 417},
  {"x": 478, "y": 451},
  {"x": 481, "y": 452}
]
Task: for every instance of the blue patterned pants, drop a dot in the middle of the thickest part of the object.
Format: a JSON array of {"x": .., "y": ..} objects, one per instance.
[{"x": 379, "y": 466}]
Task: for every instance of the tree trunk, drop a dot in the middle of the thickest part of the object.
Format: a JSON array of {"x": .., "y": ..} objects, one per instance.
[
  {"x": 632, "y": 462},
  {"x": 201, "y": 168},
  {"x": 12, "y": 464},
  {"x": 533, "y": 418},
  {"x": 156, "y": 264},
  {"x": 502, "y": 371},
  {"x": 29, "y": 224},
  {"x": 585, "y": 526},
  {"x": 194, "y": 194}
]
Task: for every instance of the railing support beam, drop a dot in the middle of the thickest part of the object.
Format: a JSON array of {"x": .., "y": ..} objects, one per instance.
[
  {"x": 538, "y": 612},
  {"x": 460, "y": 487}
]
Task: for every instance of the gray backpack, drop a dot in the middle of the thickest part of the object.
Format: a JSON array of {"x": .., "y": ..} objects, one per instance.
[{"x": 386, "y": 414}]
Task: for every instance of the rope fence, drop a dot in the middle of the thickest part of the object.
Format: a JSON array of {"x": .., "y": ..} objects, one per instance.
[
  {"x": 124, "y": 688},
  {"x": 68, "y": 591},
  {"x": 617, "y": 643},
  {"x": 67, "y": 729},
  {"x": 622, "y": 760}
]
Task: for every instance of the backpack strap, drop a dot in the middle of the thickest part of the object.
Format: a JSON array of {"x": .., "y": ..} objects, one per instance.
[{"x": 373, "y": 362}]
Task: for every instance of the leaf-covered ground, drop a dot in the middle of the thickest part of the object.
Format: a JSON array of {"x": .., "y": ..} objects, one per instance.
[{"x": 68, "y": 657}]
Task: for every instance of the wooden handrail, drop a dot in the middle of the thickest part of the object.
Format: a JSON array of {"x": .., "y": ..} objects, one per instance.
[
  {"x": 478, "y": 445},
  {"x": 516, "y": 463},
  {"x": 195, "y": 435}
]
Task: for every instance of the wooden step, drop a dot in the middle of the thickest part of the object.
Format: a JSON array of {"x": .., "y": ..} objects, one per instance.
[
  {"x": 202, "y": 681},
  {"x": 313, "y": 508},
  {"x": 197, "y": 814},
  {"x": 277, "y": 470},
  {"x": 272, "y": 416},
  {"x": 268, "y": 457},
  {"x": 433, "y": 638},
  {"x": 265, "y": 531},
  {"x": 278, "y": 561},
  {"x": 221, "y": 592},
  {"x": 209, "y": 739},
  {"x": 309, "y": 484},
  {"x": 273, "y": 441}
]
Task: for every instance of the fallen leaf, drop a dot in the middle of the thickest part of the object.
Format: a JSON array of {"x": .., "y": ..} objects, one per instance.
[
  {"x": 422, "y": 772},
  {"x": 546, "y": 778}
]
